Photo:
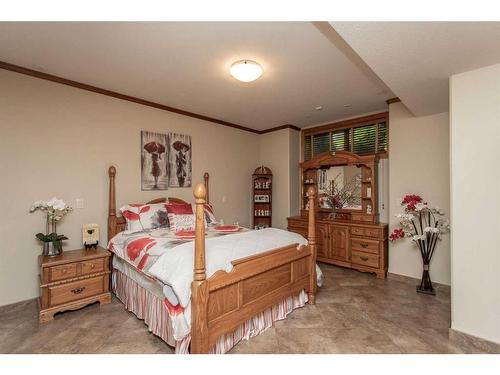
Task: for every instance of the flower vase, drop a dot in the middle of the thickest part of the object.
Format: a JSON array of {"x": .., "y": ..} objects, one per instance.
[
  {"x": 52, "y": 248},
  {"x": 426, "y": 283}
]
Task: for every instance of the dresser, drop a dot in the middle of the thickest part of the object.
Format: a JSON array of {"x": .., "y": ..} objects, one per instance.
[
  {"x": 73, "y": 280},
  {"x": 357, "y": 245}
]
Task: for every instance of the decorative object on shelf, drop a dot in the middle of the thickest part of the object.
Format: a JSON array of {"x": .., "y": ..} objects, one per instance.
[
  {"x": 424, "y": 225},
  {"x": 262, "y": 197},
  {"x": 165, "y": 160},
  {"x": 55, "y": 210},
  {"x": 90, "y": 235}
]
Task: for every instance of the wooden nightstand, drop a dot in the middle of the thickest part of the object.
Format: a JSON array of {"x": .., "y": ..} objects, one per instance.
[{"x": 73, "y": 280}]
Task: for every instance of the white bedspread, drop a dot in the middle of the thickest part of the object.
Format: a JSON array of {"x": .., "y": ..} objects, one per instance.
[{"x": 175, "y": 266}]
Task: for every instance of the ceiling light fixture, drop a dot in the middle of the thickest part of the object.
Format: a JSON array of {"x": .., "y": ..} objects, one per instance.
[{"x": 246, "y": 70}]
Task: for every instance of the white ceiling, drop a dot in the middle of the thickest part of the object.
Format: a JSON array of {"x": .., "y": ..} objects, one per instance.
[
  {"x": 416, "y": 59},
  {"x": 186, "y": 65}
]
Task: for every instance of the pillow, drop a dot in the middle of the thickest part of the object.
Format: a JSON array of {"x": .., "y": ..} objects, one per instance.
[
  {"x": 180, "y": 216},
  {"x": 144, "y": 217}
]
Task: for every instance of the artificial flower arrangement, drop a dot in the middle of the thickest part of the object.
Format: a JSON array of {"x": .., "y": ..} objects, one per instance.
[
  {"x": 424, "y": 225},
  {"x": 55, "y": 210}
]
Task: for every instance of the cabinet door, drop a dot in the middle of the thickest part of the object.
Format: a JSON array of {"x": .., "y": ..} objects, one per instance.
[
  {"x": 338, "y": 245},
  {"x": 322, "y": 240}
]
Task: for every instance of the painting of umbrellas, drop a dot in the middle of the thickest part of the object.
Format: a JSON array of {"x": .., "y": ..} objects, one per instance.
[
  {"x": 154, "y": 161},
  {"x": 179, "y": 160}
]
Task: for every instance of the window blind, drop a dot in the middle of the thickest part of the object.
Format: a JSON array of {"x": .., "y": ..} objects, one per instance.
[
  {"x": 321, "y": 143},
  {"x": 361, "y": 140},
  {"x": 307, "y": 148}
]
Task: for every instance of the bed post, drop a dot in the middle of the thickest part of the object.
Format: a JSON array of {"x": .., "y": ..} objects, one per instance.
[
  {"x": 206, "y": 176},
  {"x": 199, "y": 287},
  {"x": 112, "y": 201},
  {"x": 311, "y": 237}
]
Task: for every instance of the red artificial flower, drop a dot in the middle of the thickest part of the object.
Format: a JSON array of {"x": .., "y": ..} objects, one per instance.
[
  {"x": 411, "y": 200},
  {"x": 396, "y": 234}
]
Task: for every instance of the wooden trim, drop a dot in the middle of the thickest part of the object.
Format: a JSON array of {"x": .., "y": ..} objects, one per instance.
[
  {"x": 393, "y": 100},
  {"x": 354, "y": 122},
  {"x": 287, "y": 126},
  {"x": 83, "y": 86}
]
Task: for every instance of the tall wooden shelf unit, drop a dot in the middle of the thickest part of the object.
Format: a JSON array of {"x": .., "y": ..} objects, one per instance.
[{"x": 262, "y": 183}]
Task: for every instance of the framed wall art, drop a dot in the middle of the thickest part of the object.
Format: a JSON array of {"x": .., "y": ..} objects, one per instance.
[{"x": 154, "y": 161}]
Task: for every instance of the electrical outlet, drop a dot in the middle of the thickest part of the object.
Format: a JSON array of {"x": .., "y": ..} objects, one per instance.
[
  {"x": 80, "y": 203},
  {"x": 224, "y": 199}
]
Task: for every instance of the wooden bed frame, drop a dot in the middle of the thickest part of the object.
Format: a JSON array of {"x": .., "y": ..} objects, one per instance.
[{"x": 227, "y": 299}]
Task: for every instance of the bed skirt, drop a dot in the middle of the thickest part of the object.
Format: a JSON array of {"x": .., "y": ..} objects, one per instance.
[{"x": 150, "y": 308}]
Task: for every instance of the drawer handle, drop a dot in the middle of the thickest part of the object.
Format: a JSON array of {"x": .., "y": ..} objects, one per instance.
[
  {"x": 78, "y": 290},
  {"x": 364, "y": 259},
  {"x": 92, "y": 265},
  {"x": 364, "y": 245},
  {"x": 64, "y": 270}
]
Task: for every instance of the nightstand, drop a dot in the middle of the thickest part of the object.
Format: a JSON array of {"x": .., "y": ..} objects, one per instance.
[{"x": 73, "y": 280}]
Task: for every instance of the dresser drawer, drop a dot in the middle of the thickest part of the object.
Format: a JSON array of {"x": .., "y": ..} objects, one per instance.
[
  {"x": 92, "y": 266},
  {"x": 364, "y": 259},
  {"x": 364, "y": 245},
  {"x": 357, "y": 231},
  {"x": 65, "y": 271},
  {"x": 75, "y": 290},
  {"x": 372, "y": 232}
]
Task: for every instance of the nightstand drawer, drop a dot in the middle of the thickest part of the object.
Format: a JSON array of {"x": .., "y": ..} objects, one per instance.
[
  {"x": 76, "y": 290},
  {"x": 364, "y": 259},
  {"x": 360, "y": 244},
  {"x": 66, "y": 271},
  {"x": 92, "y": 266}
]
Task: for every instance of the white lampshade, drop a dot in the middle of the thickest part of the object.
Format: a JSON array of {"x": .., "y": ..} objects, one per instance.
[{"x": 246, "y": 70}]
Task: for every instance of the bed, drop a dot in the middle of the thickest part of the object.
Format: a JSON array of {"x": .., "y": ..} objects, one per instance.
[{"x": 227, "y": 305}]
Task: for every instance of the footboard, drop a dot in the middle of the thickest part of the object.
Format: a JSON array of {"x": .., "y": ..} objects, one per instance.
[{"x": 227, "y": 299}]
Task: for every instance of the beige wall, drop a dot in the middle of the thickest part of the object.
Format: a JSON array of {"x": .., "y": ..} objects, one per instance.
[
  {"x": 59, "y": 141},
  {"x": 418, "y": 163},
  {"x": 279, "y": 151},
  {"x": 475, "y": 200}
]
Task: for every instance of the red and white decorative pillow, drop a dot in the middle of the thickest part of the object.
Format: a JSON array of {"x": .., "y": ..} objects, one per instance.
[
  {"x": 180, "y": 216},
  {"x": 144, "y": 217}
]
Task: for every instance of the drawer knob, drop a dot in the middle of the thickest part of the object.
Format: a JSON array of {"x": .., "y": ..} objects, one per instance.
[
  {"x": 364, "y": 259},
  {"x": 364, "y": 245},
  {"x": 92, "y": 265},
  {"x": 64, "y": 270},
  {"x": 78, "y": 290}
]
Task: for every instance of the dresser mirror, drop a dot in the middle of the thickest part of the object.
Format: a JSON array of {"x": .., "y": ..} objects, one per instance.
[
  {"x": 346, "y": 185},
  {"x": 339, "y": 187}
]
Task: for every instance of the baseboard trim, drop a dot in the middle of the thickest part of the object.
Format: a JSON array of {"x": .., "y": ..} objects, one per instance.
[
  {"x": 410, "y": 279},
  {"x": 481, "y": 344},
  {"x": 15, "y": 305}
]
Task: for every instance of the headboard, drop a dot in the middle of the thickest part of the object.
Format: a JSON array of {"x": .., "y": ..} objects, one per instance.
[{"x": 117, "y": 224}]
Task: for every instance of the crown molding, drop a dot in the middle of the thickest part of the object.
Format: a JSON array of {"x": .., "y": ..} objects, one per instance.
[
  {"x": 393, "y": 100},
  {"x": 287, "y": 126},
  {"x": 117, "y": 95}
]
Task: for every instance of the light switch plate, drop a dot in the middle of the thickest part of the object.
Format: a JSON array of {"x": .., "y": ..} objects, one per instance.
[{"x": 80, "y": 203}]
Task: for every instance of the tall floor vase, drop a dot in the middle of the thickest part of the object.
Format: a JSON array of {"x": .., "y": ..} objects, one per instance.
[{"x": 426, "y": 283}]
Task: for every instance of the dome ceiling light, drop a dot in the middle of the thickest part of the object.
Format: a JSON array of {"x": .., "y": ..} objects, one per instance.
[{"x": 246, "y": 70}]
